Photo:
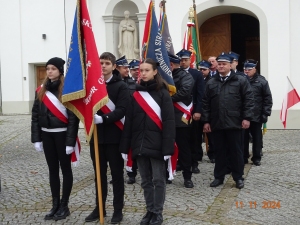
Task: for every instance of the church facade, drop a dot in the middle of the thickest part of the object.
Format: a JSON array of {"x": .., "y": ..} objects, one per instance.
[{"x": 33, "y": 31}]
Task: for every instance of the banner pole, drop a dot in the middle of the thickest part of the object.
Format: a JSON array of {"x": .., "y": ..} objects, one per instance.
[
  {"x": 98, "y": 175},
  {"x": 197, "y": 28},
  {"x": 206, "y": 142}
]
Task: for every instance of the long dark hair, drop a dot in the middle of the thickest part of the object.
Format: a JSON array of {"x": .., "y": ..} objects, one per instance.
[
  {"x": 41, "y": 93},
  {"x": 158, "y": 78}
]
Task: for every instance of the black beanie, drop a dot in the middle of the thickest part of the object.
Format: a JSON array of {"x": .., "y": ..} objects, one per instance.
[{"x": 58, "y": 63}]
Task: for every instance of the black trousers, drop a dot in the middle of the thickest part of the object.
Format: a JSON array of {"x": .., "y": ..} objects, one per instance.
[
  {"x": 109, "y": 153},
  {"x": 196, "y": 142},
  {"x": 134, "y": 169},
  {"x": 55, "y": 153},
  {"x": 228, "y": 143},
  {"x": 183, "y": 141},
  {"x": 255, "y": 131}
]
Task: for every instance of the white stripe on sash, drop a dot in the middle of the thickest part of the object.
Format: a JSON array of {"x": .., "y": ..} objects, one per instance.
[
  {"x": 57, "y": 103},
  {"x": 151, "y": 102}
]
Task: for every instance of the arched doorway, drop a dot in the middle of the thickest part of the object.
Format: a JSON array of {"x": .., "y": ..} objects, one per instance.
[{"x": 231, "y": 32}]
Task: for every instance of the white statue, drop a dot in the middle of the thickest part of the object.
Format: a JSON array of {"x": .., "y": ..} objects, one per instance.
[{"x": 128, "y": 38}]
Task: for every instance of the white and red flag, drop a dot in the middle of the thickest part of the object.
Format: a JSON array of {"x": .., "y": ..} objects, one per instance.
[{"x": 291, "y": 98}]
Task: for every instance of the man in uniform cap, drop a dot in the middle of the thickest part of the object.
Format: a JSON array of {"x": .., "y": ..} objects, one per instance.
[
  {"x": 123, "y": 68},
  {"x": 198, "y": 91},
  {"x": 204, "y": 68},
  {"x": 227, "y": 109},
  {"x": 262, "y": 109},
  {"x": 134, "y": 66},
  {"x": 184, "y": 83}
]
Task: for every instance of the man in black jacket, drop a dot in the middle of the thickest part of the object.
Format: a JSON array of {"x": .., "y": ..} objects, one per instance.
[
  {"x": 198, "y": 91},
  {"x": 204, "y": 68},
  {"x": 109, "y": 135},
  {"x": 262, "y": 109},
  {"x": 227, "y": 109},
  {"x": 184, "y": 83}
]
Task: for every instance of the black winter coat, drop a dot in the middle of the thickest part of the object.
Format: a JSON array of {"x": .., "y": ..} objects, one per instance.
[
  {"x": 184, "y": 83},
  {"x": 198, "y": 90},
  {"x": 130, "y": 83},
  {"x": 227, "y": 104},
  {"x": 262, "y": 97},
  {"x": 118, "y": 93},
  {"x": 42, "y": 117},
  {"x": 141, "y": 134}
]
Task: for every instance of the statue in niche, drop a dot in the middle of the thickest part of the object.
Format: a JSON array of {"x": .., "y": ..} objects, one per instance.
[{"x": 128, "y": 38}]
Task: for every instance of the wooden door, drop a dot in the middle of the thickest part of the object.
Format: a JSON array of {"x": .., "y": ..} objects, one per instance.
[
  {"x": 215, "y": 36},
  {"x": 253, "y": 50},
  {"x": 40, "y": 75}
]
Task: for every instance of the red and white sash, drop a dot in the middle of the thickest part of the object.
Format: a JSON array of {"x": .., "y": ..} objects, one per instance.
[
  {"x": 108, "y": 108},
  {"x": 186, "y": 110},
  {"x": 152, "y": 109},
  {"x": 60, "y": 111}
]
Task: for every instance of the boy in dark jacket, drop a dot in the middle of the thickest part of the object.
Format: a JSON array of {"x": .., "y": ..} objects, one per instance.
[{"x": 109, "y": 135}]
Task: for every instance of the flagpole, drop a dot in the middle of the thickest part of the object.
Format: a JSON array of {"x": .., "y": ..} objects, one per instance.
[
  {"x": 98, "y": 176},
  {"x": 197, "y": 27},
  {"x": 163, "y": 3}
]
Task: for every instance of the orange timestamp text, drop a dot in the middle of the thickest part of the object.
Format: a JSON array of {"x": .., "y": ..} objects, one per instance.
[{"x": 254, "y": 204}]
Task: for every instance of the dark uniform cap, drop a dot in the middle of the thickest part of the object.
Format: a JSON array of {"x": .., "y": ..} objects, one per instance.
[
  {"x": 184, "y": 54},
  {"x": 122, "y": 61},
  {"x": 234, "y": 55},
  {"x": 224, "y": 58},
  {"x": 250, "y": 63},
  {"x": 204, "y": 64},
  {"x": 58, "y": 63},
  {"x": 134, "y": 64},
  {"x": 174, "y": 58}
]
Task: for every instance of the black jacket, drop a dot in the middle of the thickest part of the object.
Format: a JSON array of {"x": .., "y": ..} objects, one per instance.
[
  {"x": 118, "y": 93},
  {"x": 130, "y": 83},
  {"x": 226, "y": 104},
  {"x": 207, "y": 78},
  {"x": 141, "y": 133},
  {"x": 198, "y": 90},
  {"x": 42, "y": 117},
  {"x": 184, "y": 84},
  {"x": 262, "y": 97}
]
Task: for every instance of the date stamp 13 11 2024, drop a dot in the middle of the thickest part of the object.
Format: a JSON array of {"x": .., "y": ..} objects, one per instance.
[{"x": 255, "y": 204}]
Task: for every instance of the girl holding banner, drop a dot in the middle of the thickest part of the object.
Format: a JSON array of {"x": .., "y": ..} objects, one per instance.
[
  {"x": 150, "y": 132},
  {"x": 54, "y": 129}
]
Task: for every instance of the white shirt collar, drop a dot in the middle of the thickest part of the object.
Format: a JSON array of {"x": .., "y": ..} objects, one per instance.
[{"x": 109, "y": 79}]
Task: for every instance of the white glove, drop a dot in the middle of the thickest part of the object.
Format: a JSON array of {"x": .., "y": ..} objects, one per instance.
[
  {"x": 38, "y": 146},
  {"x": 69, "y": 150},
  {"x": 98, "y": 119},
  {"x": 125, "y": 156},
  {"x": 167, "y": 157}
]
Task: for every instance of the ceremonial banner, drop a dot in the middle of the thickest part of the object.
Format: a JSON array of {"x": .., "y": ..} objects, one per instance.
[
  {"x": 164, "y": 29},
  {"x": 84, "y": 91},
  {"x": 155, "y": 48},
  {"x": 291, "y": 98}
]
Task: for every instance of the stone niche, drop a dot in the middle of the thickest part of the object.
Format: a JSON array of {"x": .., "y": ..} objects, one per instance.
[{"x": 114, "y": 16}]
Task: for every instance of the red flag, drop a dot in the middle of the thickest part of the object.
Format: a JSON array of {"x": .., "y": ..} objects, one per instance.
[
  {"x": 84, "y": 88},
  {"x": 292, "y": 98},
  {"x": 188, "y": 44}
]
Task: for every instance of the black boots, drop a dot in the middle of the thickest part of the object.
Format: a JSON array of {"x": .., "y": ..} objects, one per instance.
[
  {"x": 157, "y": 219},
  {"x": 63, "y": 210},
  {"x": 55, "y": 206},
  {"x": 146, "y": 219},
  {"x": 94, "y": 215}
]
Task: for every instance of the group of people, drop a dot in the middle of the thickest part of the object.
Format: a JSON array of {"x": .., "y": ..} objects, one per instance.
[{"x": 216, "y": 99}]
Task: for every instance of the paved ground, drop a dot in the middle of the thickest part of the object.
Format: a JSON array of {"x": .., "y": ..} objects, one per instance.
[{"x": 25, "y": 195}]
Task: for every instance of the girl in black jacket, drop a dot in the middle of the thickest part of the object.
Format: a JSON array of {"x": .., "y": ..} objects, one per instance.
[
  {"x": 55, "y": 134},
  {"x": 151, "y": 135}
]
